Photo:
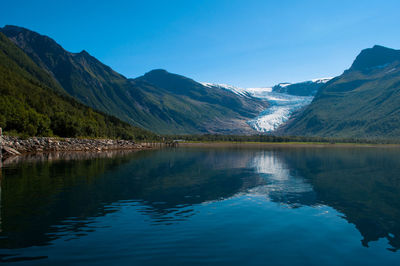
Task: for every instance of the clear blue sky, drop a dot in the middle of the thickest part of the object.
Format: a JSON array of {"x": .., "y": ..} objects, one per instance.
[{"x": 244, "y": 43}]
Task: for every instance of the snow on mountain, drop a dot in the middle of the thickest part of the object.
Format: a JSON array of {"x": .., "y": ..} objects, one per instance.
[
  {"x": 305, "y": 88},
  {"x": 322, "y": 80},
  {"x": 284, "y": 84},
  {"x": 236, "y": 90}
]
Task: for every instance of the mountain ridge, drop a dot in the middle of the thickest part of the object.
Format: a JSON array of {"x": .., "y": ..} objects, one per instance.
[
  {"x": 184, "y": 106},
  {"x": 32, "y": 103}
]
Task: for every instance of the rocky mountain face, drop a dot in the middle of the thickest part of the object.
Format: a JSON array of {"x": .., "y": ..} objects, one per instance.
[
  {"x": 363, "y": 102},
  {"x": 159, "y": 101}
]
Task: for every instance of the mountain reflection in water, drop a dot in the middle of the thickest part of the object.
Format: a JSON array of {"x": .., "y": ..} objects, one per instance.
[{"x": 43, "y": 200}]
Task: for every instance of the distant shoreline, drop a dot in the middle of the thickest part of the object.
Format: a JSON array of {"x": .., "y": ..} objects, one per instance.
[{"x": 283, "y": 144}]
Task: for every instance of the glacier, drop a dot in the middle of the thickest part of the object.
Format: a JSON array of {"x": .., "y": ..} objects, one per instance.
[{"x": 282, "y": 106}]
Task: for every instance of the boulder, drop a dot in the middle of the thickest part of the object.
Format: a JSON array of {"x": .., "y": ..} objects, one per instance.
[{"x": 9, "y": 151}]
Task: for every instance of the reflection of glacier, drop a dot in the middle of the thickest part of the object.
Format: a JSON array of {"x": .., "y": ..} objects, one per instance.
[
  {"x": 266, "y": 163},
  {"x": 281, "y": 185},
  {"x": 282, "y": 106}
]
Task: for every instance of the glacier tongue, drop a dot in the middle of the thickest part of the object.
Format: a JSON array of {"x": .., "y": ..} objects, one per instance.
[{"x": 282, "y": 106}]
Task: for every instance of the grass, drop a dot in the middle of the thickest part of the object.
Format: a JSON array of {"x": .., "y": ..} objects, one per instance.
[{"x": 294, "y": 143}]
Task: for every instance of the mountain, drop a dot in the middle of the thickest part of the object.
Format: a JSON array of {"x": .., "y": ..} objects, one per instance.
[
  {"x": 33, "y": 103},
  {"x": 284, "y": 99},
  {"x": 216, "y": 96},
  {"x": 364, "y": 102},
  {"x": 375, "y": 57},
  {"x": 236, "y": 90},
  {"x": 306, "y": 88},
  {"x": 159, "y": 101},
  {"x": 79, "y": 74},
  {"x": 197, "y": 108}
]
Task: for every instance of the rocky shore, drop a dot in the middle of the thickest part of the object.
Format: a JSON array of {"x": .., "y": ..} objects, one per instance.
[{"x": 15, "y": 145}]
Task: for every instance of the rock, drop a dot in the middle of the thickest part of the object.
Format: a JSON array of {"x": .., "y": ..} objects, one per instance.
[
  {"x": 16, "y": 145},
  {"x": 10, "y": 151}
]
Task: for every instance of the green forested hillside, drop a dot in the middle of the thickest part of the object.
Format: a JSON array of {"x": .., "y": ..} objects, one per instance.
[
  {"x": 363, "y": 102},
  {"x": 150, "y": 101},
  {"x": 32, "y": 103}
]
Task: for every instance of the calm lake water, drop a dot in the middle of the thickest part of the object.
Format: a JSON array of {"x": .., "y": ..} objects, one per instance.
[{"x": 203, "y": 206}]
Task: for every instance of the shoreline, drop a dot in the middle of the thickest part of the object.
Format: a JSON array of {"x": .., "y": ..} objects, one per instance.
[{"x": 15, "y": 146}]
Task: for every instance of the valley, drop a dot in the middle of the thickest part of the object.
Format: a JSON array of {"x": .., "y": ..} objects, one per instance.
[
  {"x": 360, "y": 103},
  {"x": 283, "y": 100},
  {"x": 200, "y": 133}
]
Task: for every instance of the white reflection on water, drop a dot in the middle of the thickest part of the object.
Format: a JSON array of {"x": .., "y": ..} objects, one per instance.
[{"x": 280, "y": 182}]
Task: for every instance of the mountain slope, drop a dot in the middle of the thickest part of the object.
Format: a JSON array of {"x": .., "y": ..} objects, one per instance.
[
  {"x": 363, "y": 102},
  {"x": 32, "y": 103},
  {"x": 217, "y": 96},
  {"x": 159, "y": 101},
  {"x": 81, "y": 75}
]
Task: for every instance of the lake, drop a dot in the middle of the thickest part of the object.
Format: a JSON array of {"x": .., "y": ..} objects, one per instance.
[{"x": 203, "y": 206}]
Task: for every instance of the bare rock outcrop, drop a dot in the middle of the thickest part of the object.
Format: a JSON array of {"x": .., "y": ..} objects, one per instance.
[{"x": 15, "y": 145}]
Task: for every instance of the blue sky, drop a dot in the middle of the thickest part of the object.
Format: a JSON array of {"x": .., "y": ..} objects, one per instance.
[{"x": 242, "y": 43}]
